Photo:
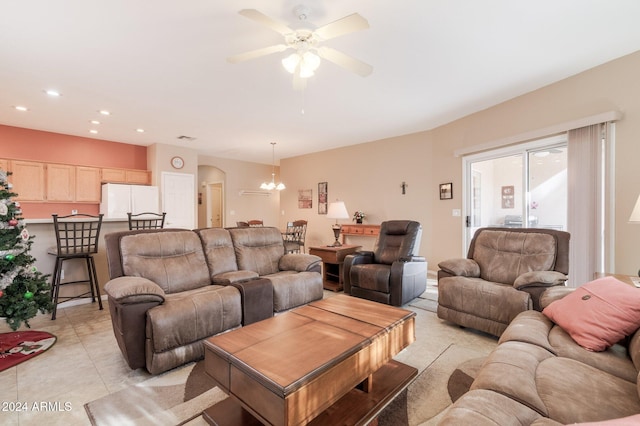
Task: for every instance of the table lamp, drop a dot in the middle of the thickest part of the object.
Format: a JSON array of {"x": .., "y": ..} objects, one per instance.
[{"x": 337, "y": 210}]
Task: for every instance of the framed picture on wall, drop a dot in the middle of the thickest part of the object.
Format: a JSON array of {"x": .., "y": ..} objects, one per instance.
[
  {"x": 322, "y": 198},
  {"x": 508, "y": 200},
  {"x": 446, "y": 191},
  {"x": 304, "y": 198}
]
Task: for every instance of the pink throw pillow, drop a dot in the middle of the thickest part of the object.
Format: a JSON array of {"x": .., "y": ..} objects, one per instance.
[
  {"x": 599, "y": 313},
  {"x": 622, "y": 421}
]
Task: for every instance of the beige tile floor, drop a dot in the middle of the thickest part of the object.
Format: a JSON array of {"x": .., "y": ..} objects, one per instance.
[{"x": 85, "y": 363}]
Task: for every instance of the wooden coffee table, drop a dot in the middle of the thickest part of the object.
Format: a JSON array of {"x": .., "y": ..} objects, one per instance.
[{"x": 325, "y": 362}]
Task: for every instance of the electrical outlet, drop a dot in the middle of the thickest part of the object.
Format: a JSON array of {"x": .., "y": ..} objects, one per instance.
[
  {"x": 456, "y": 213},
  {"x": 74, "y": 211}
]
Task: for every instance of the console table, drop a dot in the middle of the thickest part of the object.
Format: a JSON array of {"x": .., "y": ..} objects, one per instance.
[
  {"x": 332, "y": 261},
  {"x": 359, "y": 230}
]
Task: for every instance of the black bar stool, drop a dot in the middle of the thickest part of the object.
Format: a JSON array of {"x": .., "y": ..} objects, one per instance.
[
  {"x": 146, "y": 220},
  {"x": 76, "y": 238}
]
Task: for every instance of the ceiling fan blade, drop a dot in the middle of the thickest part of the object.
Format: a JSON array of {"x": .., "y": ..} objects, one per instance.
[
  {"x": 346, "y": 25},
  {"x": 345, "y": 61},
  {"x": 265, "y": 20},
  {"x": 257, "y": 53}
]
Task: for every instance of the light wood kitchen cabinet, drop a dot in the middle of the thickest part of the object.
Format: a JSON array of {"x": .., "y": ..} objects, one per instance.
[
  {"x": 88, "y": 189},
  {"x": 130, "y": 176},
  {"x": 61, "y": 182},
  {"x": 138, "y": 177},
  {"x": 114, "y": 175},
  {"x": 28, "y": 180}
]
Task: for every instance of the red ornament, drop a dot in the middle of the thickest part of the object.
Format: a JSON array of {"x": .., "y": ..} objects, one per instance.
[
  {"x": 13, "y": 222},
  {"x": 1, "y": 293}
]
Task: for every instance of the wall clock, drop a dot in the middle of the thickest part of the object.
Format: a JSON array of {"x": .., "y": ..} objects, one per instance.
[{"x": 177, "y": 162}]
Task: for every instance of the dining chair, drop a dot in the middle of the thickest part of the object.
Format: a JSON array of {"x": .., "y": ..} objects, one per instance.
[{"x": 146, "y": 220}]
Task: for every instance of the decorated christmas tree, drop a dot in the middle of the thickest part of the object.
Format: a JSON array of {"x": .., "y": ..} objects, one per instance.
[{"x": 23, "y": 290}]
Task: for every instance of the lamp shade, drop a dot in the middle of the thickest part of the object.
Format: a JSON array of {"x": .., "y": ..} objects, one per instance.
[
  {"x": 635, "y": 214},
  {"x": 337, "y": 210}
]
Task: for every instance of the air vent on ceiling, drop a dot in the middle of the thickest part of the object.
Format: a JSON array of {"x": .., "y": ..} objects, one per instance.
[{"x": 186, "y": 138}]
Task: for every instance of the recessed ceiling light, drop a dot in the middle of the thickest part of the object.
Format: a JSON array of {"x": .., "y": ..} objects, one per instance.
[
  {"x": 104, "y": 112},
  {"x": 94, "y": 122},
  {"x": 53, "y": 93},
  {"x": 94, "y": 131},
  {"x": 21, "y": 108},
  {"x": 140, "y": 130}
]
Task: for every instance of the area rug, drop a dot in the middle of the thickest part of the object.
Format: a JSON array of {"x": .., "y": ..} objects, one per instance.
[
  {"x": 173, "y": 398},
  {"x": 178, "y": 397},
  {"x": 19, "y": 346},
  {"x": 435, "y": 389}
]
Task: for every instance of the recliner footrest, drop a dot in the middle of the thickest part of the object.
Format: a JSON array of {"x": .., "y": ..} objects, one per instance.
[{"x": 257, "y": 299}]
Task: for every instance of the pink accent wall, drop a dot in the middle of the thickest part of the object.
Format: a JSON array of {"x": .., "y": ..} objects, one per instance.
[{"x": 35, "y": 145}]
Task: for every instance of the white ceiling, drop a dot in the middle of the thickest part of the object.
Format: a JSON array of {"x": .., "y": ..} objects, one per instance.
[{"x": 161, "y": 65}]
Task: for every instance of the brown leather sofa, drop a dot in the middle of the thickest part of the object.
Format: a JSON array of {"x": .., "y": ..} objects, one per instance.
[
  {"x": 172, "y": 288},
  {"x": 505, "y": 272},
  {"x": 538, "y": 375},
  {"x": 392, "y": 273}
]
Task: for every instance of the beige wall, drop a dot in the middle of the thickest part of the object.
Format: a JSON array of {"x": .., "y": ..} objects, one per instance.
[
  {"x": 244, "y": 175},
  {"x": 368, "y": 176}
]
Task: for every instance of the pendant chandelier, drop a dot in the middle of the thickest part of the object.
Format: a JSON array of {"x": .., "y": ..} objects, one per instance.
[{"x": 272, "y": 185}]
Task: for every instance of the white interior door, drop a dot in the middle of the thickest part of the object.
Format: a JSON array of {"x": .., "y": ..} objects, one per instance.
[{"x": 179, "y": 200}]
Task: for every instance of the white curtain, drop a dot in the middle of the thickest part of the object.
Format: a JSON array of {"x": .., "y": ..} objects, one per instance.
[{"x": 587, "y": 151}]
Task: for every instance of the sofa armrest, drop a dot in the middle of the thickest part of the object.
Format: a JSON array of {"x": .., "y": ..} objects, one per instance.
[
  {"x": 127, "y": 290},
  {"x": 357, "y": 258},
  {"x": 552, "y": 294},
  {"x": 539, "y": 279},
  {"x": 461, "y": 267},
  {"x": 299, "y": 262}
]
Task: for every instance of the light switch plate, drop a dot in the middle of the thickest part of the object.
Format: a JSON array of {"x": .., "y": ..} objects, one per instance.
[{"x": 456, "y": 213}]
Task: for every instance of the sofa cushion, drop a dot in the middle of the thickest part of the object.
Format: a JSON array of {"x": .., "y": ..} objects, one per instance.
[
  {"x": 503, "y": 256},
  {"x": 535, "y": 328},
  {"x": 484, "y": 299},
  {"x": 550, "y": 384},
  {"x": 371, "y": 276},
  {"x": 291, "y": 289},
  {"x": 577, "y": 392},
  {"x": 258, "y": 249},
  {"x": 193, "y": 315},
  {"x": 487, "y": 408},
  {"x": 173, "y": 260},
  {"x": 598, "y": 314},
  {"x": 218, "y": 248}
]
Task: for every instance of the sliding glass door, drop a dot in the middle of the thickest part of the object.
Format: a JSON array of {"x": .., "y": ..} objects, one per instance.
[{"x": 517, "y": 187}]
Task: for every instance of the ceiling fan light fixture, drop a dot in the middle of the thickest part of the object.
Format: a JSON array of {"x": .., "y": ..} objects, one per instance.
[
  {"x": 310, "y": 61},
  {"x": 290, "y": 63}
]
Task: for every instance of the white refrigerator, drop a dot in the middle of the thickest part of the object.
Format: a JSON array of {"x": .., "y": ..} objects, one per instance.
[{"x": 119, "y": 199}]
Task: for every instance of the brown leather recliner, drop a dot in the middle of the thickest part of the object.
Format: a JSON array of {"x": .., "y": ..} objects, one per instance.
[
  {"x": 505, "y": 273},
  {"x": 392, "y": 273}
]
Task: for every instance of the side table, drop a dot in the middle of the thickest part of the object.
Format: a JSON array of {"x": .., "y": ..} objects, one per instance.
[
  {"x": 332, "y": 261},
  {"x": 627, "y": 279}
]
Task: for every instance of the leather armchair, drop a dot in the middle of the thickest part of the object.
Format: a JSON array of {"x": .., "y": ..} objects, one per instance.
[
  {"x": 507, "y": 271},
  {"x": 392, "y": 273}
]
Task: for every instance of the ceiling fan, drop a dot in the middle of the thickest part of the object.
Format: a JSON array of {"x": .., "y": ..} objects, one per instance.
[{"x": 307, "y": 45}]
